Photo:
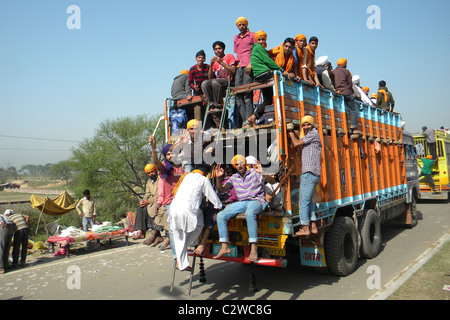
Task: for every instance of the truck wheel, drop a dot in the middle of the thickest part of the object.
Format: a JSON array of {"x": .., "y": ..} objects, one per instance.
[
  {"x": 413, "y": 211},
  {"x": 370, "y": 232},
  {"x": 341, "y": 246}
]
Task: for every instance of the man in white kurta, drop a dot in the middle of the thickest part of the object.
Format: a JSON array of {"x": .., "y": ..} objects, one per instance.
[{"x": 186, "y": 216}]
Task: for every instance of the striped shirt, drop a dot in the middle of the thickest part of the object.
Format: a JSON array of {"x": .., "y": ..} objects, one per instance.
[
  {"x": 196, "y": 77},
  {"x": 19, "y": 220},
  {"x": 311, "y": 153},
  {"x": 248, "y": 187}
]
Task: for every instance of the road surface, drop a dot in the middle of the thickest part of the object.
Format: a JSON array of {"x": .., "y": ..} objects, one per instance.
[{"x": 141, "y": 272}]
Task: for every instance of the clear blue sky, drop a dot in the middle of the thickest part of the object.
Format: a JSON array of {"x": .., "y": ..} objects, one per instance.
[{"x": 60, "y": 84}]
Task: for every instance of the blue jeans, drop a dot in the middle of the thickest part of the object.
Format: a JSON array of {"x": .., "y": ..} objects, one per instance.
[
  {"x": 87, "y": 221},
  {"x": 308, "y": 185},
  {"x": 350, "y": 107},
  {"x": 251, "y": 209}
]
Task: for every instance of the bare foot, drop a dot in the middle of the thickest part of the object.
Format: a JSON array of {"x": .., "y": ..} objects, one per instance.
[
  {"x": 157, "y": 241},
  {"x": 200, "y": 250},
  {"x": 314, "y": 228},
  {"x": 253, "y": 253},
  {"x": 251, "y": 120},
  {"x": 225, "y": 250},
  {"x": 304, "y": 231}
]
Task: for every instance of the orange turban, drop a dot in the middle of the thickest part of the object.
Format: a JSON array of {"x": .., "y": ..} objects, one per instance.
[
  {"x": 149, "y": 168},
  {"x": 260, "y": 34},
  {"x": 300, "y": 36},
  {"x": 342, "y": 62},
  {"x": 280, "y": 59},
  {"x": 242, "y": 20},
  {"x": 365, "y": 89},
  {"x": 429, "y": 156},
  {"x": 184, "y": 72},
  {"x": 238, "y": 158}
]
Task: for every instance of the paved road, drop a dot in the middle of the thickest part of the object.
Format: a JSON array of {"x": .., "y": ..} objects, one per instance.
[{"x": 141, "y": 272}]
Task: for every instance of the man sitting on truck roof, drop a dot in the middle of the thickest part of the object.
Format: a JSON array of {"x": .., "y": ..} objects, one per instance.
[
  {"x": 249, "y": 187},
  {"x": 219, "y": 75},
  {"x": 308, "y": 63},
  {"x": 284, "y": 57},
  {"x": 311, "y": 167},
  {"x": 262, "y": 66}
]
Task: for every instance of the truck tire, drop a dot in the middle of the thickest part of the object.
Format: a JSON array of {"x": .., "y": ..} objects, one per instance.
[
  {"x": 370, "y": 232},
  {"x": 412, "y": 209},
  {"x": 341, "y": 246}
]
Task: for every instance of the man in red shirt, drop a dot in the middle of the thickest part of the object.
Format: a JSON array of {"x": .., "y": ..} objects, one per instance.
[{"x": 222, "y": 70}]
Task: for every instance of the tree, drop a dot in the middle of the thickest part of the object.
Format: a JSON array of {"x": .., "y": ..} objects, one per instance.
[
  {"x": 111, "y": 164},
  {"x": 62, "y": 169}
]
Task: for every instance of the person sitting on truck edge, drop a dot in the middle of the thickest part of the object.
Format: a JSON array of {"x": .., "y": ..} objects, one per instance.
[
  {"x": 311, "y": 168},
  {"x": 186, "y": 216},
  {"x": 249, "y": 187},
  {"x": 344, "y": 86},
  {"x": 180, "y": 86},
  {"x": 385, "y": 99},
  {"x": 300, "y": 43},
  {"x": 283, "y": 56},
  {"x": 308, "y": 63},
  {"x": 220, "y": 74},
  {"x": 262, "y": 66},
  {"x": 210, "y": 212},
  {"x": 426, "y": 170},
  {"x": 198, "y": 73},
  {"x": 243, "y": 42}
]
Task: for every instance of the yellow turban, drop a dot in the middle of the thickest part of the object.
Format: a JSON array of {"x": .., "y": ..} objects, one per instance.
[
  {"x": 193, "y": 122},
  {"x": 300, "y": 36},
  {"x": 238, "y": 158},
  {"x": 242, "y": 20},
  {"x": 342, "y": 62},
  {"x": 309, "y": 120},
  {"x": 373, "y": 95},
  {"x": 429, "y": 156},
  {"x": 365, "y": 88},
  {"x": 150, "y": 167},
  {"x": 184, "y": 72}
]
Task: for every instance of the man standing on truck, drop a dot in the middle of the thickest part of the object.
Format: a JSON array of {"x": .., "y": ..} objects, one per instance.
[
  {"x": 249, "y": 187},
  {"x": 431, "y": 140},
  {"x": 311, "y": 160},
  {"x": 344, "y": 86},
  {"x": 385, "y": 99},
  {"x": 243, "y": 48}
]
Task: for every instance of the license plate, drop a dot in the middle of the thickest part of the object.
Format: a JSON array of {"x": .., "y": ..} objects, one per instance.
[{"x": 232, "y": 254}]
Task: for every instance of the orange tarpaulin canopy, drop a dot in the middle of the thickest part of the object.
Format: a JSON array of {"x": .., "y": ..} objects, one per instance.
[{"x": 54, "y": 207}]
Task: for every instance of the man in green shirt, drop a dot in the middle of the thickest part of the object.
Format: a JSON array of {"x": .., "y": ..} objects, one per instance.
[
  {"x": 426, "y": 170},
  {"x": 262, "y": 66}
]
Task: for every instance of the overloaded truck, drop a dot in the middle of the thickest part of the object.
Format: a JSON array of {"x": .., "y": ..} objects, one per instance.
[{"x": 365, "y": 181}]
